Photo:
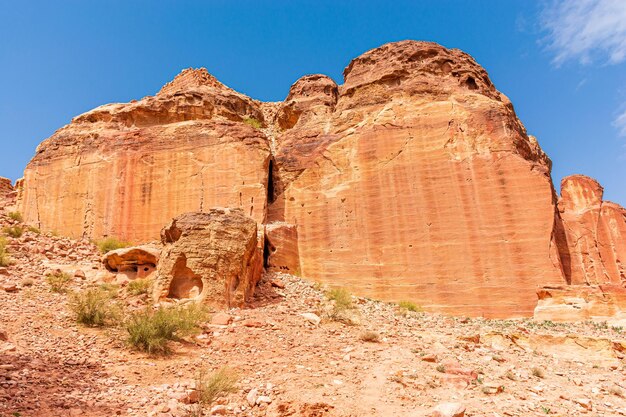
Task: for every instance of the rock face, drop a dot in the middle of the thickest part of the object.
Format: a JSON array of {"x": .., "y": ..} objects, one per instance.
[
  {"x": 281, "y": 248},
  {"x": 7, "y": 192},
  {"x": 124, "y": 170},
  {"x": 210, "y": 257},
  {"x": 592, "y": 248},
  {"x": 413, "y": 180},
  {"x": 595, "y": 232}
]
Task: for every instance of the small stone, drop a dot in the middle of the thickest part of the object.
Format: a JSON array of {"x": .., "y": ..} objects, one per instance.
[
  {"x": 79, "y": 274},
  {"x": 263, "y": 399},
  {"x": 221, "y": 319},
  {"x": 252, "y": 396},
  {"x": 218, "y": 410},
  {"x": 431, "y": 357},
  {"x": 312, "y": 318},
  {"x": 251, "y": 323},
  {"x": 277, "y": 283},
  {"x": 449, "y": 410},
  {"x": 584, "y": 403},
  {"x": 10, "y": 288}
]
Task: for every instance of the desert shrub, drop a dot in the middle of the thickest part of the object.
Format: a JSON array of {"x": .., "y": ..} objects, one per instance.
[
  {"x": 138, "y": 286},
  {"x": 94, "y": 308},
  {"x": 150, "y": 330},
  {"x": 13, "y": 231},
  {"x": 5, "y": 260},
  {"x": 538, "y": 372},
  {"x": 111, "y": 243},
  {"x": 441, "y": 368},
  {"x": 58, "y": 281},
  {"x": 253, "y": 122},
  {"x": 409, "y": 306},
  {"x": 372, "y": 337},
  {"x": 16, "y": 215},
  {"x": 33, "y": 229},
  {"x": 341, "y": 297},
  {"x": 215, "y": 385}
]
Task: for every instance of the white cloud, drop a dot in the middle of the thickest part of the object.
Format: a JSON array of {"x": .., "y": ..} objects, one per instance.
[
  {"x": 620, "y": 124},
  {"x": 586, "y": 30}
]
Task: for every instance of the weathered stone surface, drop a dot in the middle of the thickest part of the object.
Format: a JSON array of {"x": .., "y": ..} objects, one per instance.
[
  {"x": 140, "y": 261},
  {"x": 124, "y": 170},
  {"x": 567, "y": 303},
  {"x": 413, "y": 180},
  {"x": 209, "y": 257},
  {"x": 281, "y": 248},
  {"x": 7, "y": 192},
  {"x": 595, "y": 232},
  {"x": 592, "y": 249},
  {"x": 418, "y": 182}
]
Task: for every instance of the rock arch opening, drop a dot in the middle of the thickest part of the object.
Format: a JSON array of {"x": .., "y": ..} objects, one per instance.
[{"x": 185, "y": 283}]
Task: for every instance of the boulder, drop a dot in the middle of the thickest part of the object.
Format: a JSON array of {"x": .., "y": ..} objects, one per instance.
[
  {"x": 211, "y": 257},
  {"x": 136, "y": 261}
]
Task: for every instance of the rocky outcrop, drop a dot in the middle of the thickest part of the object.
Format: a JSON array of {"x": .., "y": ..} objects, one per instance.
[
  {"x": 414, "y": 179},
  {"x": 569, "y": 303},
  {"x": 595, "y": 234},
  {"x": 592, "y": 248},
  {"x": 211, "y": 257},
  {"x": 124, "y": 170},
  {"x": 7, "y": 192},
  {"x": 138, "y": 261}
]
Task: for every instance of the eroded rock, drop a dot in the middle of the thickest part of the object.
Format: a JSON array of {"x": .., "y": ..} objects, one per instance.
[
  {"x": 136, "y": 261},
  {"x": 210, "y": 257}
]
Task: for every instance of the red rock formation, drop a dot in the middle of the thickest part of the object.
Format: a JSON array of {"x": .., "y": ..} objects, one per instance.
[
  {"x": 281, "y": 250},
  {"x": 124, "y": 170},
  {"x": 412, "y": 180},
  {"x": 7, "y": 192},
  {"x": 211, "y": 257},
  {"x": 418, "y": 182},
  {"x": 592, "y": 248}
]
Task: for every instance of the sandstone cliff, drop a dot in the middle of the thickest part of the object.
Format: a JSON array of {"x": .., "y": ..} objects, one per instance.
[
  {"x": 416, "y": 180},
  {"x": 125, "y": 170},
  {"x": 412, "y": 180}
]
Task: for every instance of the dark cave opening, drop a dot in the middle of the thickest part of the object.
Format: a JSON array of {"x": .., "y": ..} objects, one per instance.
[{"x": 270, "y": 183}]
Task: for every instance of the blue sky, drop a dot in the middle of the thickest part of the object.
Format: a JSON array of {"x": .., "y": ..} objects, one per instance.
[{"x": 562, "y": 63}]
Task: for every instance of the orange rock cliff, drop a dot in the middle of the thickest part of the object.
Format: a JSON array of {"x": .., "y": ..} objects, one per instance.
[{"x": 414, "y": 180}]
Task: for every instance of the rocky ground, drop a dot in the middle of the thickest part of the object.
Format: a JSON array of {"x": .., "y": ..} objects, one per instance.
[{"x": 374, "y": 359}]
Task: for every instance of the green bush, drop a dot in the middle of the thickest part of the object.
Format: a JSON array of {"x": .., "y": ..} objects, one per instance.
[
  {"x": 34, "y": 229},
  {"x": 150, "y": 330},
  {"x": 16, "y": 215},
  {"x": 216, "y": 384},
  {"x": 5, "y": 260},
  {"x": 58, "y": 281},
  {"x": 94, "y": 307},
  {"x": 111, "y": 243},
  {"x": 409, "y": 306},
  {"x": 13, "y": 231},
  {"x": 138, "y": 286},
  {"x": 341, "y": 297},
  {"x": 253, "y": 122}
]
